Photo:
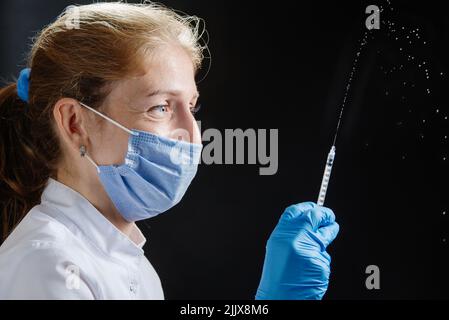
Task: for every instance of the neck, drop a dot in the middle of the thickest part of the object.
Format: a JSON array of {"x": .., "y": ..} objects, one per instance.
[{"x": 94, "y": 192}]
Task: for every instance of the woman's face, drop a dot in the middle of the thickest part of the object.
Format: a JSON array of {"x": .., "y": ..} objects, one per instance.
[{"x": 161, "y": 101}]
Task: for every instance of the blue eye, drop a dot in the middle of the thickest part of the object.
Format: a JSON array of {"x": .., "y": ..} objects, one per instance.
[
  {"x": 159, "y": 111},
  {"x": 161, "y": 108}
]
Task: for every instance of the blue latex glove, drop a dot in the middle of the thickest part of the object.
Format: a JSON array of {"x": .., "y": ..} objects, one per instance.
[{"x": 297, "y": 265}]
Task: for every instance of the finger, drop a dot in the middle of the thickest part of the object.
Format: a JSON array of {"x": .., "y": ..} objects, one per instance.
[
  {"x": 297, "y": 210},
  {"x": 329, "y": 216},
  {"x": 322, "y": 217},
  {"x": 327, "y": 234},
  {"x": 326, "y": 256}
]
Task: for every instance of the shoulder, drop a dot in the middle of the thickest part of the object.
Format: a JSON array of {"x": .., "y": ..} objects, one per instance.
[
  {"x": 37, "y": 226},
  {"x": 38, "y": 262},
  {"x": 45, "y": 271}
]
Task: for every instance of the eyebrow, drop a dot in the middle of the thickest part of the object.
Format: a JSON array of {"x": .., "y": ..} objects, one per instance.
[{"x": 172, "y": 93}]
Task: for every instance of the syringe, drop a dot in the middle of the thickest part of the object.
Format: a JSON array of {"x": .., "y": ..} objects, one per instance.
[
  {"x": 326, "y": 176},
  {"x": 331, "y": 155}
]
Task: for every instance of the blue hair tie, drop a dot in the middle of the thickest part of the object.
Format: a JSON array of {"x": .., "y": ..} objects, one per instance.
[{"x": 23, "y": 85}]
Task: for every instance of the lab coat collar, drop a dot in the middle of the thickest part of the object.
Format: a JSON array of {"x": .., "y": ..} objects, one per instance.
[{"x": 84, "y": 220}]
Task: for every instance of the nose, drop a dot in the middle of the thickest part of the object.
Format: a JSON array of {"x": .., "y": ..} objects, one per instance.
[{"x": 185, "y": 127}]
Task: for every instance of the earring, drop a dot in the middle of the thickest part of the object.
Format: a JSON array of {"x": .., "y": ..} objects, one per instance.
[
  {"x": 83, "y": 153},
  {"x": 83, "y": 150}
]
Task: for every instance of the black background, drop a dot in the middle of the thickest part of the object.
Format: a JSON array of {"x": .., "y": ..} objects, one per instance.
[{"x": 285, "y": 66}]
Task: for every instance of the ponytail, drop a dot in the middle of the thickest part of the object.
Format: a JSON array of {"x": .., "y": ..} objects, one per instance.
[{"x": 23, "y": 172}]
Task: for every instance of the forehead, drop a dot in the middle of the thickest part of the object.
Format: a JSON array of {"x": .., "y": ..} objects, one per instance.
[{"x": 168, "y": 69}]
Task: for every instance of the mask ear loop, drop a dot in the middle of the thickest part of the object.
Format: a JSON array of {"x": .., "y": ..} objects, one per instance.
[
  {"x": 109, "y": 119},
  {"x": 84, "y": 154},
  {"x": 83, "y": 151}
]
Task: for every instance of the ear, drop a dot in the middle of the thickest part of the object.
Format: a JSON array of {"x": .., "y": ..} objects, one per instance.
[{"x": 70, "y": 122}]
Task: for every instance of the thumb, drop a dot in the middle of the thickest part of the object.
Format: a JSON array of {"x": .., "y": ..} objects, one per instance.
[{"x": 327, "y": 234}]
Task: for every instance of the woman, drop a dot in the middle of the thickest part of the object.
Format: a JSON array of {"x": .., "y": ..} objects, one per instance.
[{"x": 99, "y": 132}]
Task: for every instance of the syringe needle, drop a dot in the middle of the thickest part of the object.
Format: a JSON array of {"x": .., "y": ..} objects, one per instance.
[{"x": 326, "y": 176}]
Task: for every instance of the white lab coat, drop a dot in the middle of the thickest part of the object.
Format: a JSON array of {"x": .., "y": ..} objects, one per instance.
[{"x": 65, "y": 248}]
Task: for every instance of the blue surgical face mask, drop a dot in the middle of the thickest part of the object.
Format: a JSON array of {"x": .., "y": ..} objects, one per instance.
[{"x": 156, "y": 173}]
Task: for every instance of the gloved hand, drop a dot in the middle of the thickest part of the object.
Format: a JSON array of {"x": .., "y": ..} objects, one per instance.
[{"x": 297, "y": 265}]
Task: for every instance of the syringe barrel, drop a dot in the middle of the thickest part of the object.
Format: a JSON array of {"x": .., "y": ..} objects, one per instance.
[{"x": 326, "y": 176}]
